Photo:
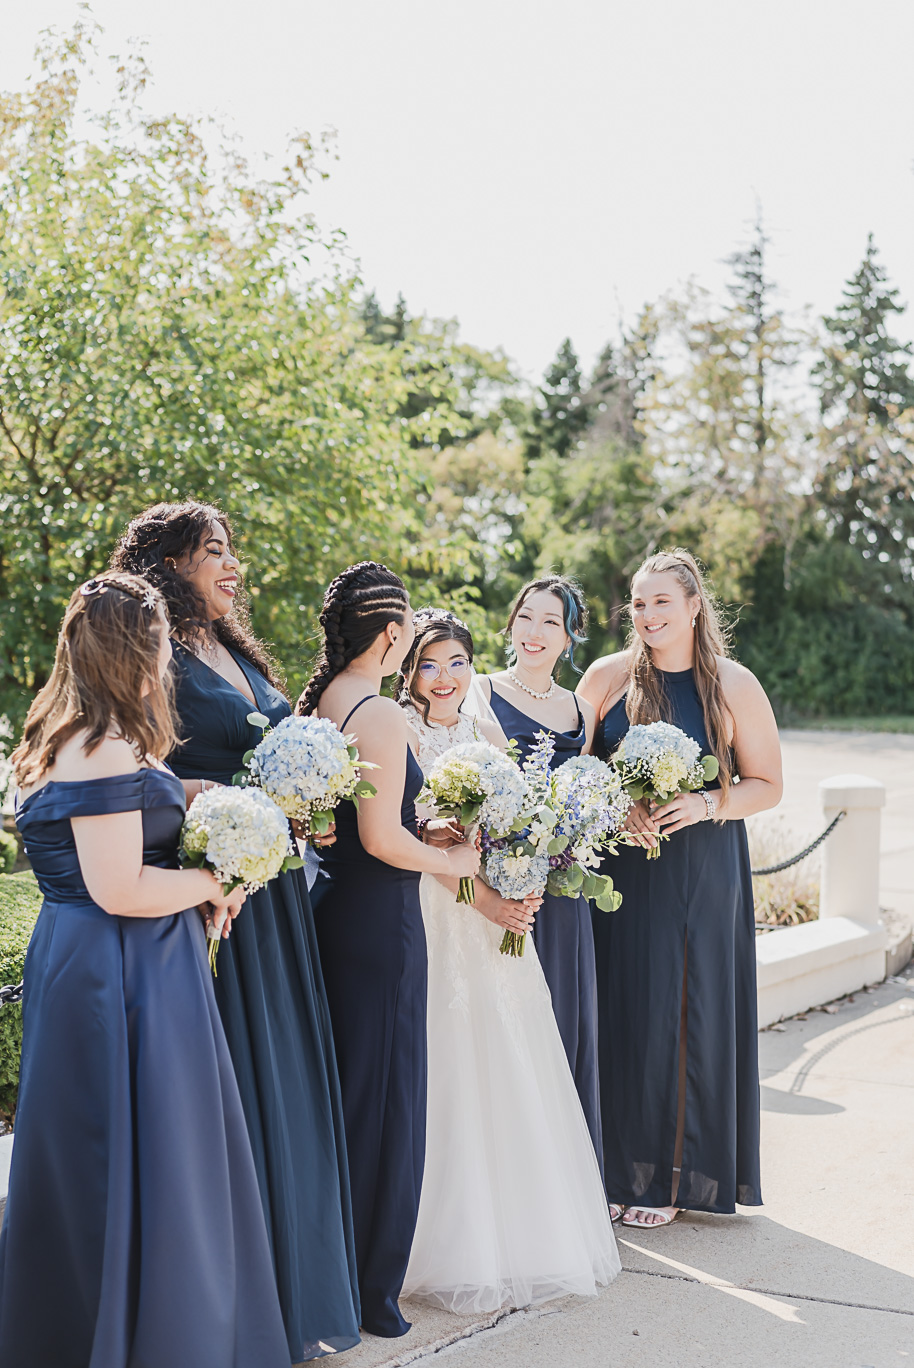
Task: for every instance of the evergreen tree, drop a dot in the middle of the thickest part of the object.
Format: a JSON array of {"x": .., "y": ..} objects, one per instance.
[
  {"x": 867, "y": 394},
  {"x": 559, "y": 417}
]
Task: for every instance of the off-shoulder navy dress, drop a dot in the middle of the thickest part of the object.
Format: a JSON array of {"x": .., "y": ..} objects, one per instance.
[
  {"x": 372, "y": 940},
  {"x": 134, "y": 1235},
  {"x": 686, "y": 924},
  {"x": 270, "y": 994},
  {"x": 563, "y": 935}
]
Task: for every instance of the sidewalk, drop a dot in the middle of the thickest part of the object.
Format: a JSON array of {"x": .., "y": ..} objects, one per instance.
[{"x": 821, "y": 1277}]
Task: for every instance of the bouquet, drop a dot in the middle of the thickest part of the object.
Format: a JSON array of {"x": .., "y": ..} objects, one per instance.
[
  {"x": 576, "y": 812},
  {"x": 240, "y": 836},
  {"x": 307, "y": 766},
  {"x": 657, "y": 761},
  {"x": 476, "y": 783}
]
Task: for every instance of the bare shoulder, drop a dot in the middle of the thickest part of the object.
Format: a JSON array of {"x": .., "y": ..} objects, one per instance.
[
  {"x": 605, "y": 676},
  {"x": 382, "y": 712},
  {"x": 111, "y": 757},
  {"x": 492, "y": 733},
  {"x": 739, "y": 684}
]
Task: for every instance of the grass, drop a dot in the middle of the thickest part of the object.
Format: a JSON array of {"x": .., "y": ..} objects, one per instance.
[
  {"x": 903, "y": 725},
  {"x": 788, "y": 898}
]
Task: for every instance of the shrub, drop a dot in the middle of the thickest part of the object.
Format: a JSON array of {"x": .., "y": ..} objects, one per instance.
[
  {"x": 792, "y": 895},
  {"x": 9, "y": 850},
  {"x": 20, "y": 901}
]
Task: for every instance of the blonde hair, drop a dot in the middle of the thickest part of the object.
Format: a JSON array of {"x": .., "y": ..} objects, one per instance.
[
  {"x": 645, "y": 699},
  {"x": 107, "y": 656}
]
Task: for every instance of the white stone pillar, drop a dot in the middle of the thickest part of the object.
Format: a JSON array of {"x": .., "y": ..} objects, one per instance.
[{"x": 850, "y": 856}]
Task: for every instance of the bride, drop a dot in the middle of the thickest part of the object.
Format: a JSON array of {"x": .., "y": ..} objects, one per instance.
[{"x": 512, "y": 1208}]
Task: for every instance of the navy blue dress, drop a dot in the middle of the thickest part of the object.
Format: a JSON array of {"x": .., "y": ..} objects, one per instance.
[
  {"x": 372, "y": 940},
  {"x": 686, "y": 923},
  {"x": 134, "y": 1235},
  {"x": 563, "y": 936},
  {"x": 271, "y": 998}
]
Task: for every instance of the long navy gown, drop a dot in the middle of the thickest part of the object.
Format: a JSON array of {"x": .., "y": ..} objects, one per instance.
[
  {"x": 686, "y": 925},
  {"x": 134, "y": 1234},
  {"x": 563, "y": 936},
  {"x": 372, "y": 941},
  {"x": 271, "y": 997}
]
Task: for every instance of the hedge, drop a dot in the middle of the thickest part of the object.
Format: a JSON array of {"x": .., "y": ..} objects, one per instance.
[
  {"x": 9, "y": 851},
  {"x": 20, "y": 902}
]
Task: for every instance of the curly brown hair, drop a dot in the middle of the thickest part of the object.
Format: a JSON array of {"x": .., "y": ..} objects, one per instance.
[
  {"x": 166, "y": 532},
  {"x": 105, "y": 677},
  {"x": 432, "y": 625}
]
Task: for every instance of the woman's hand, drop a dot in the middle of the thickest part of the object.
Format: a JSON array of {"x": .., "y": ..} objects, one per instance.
[
  {"x": 642, "y": 825},
  {"x": 222, "y": 910},
  {"x": 509, "y": 913},
  {"x": 443, "y": 832},
  {"x": 301, "y": 833},
  {"x": 682, "y": 811},
  {"x": 462, "y": 861}
]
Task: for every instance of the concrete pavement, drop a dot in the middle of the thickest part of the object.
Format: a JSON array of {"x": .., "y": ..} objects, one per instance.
[{"x": 822, "y": 1276}]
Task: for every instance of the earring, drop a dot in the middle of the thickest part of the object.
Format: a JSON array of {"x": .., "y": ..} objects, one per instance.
[
  {"x": 694, "y": 619},
  {"x": 171, "y": 563}
]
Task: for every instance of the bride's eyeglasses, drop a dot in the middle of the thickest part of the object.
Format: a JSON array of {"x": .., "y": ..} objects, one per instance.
[{"x": 430, "y": 669}]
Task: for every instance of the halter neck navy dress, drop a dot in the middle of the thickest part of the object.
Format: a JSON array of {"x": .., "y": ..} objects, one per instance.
[
  {"x": 134, "y": 1234},
  {"x": 271, "y": 997},
  {"x": 373, "y": 952},
  {"x": 563, "y": 935},
  {"x": 686, "y": 925}
]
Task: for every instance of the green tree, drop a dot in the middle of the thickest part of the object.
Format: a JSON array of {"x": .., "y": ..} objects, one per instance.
[
  {"x": 866, "y": 391},
  {"x": 558, "y": 416},
  {"x": 162, "y": 335}
]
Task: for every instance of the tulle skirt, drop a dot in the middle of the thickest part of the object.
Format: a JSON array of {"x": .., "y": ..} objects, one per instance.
[{"x": 513, "y": 1210}]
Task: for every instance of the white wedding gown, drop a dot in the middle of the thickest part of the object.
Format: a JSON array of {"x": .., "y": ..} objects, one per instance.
[{"x": 512, "y": 1208}]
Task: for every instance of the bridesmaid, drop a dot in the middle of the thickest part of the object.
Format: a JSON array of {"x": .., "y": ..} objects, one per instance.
[
  {"x": 369, "y": 926},
  {"x": 269, "y": 987},
  {"x": 676, "y": 963},
  {"x": 134, "y": 1232},
  {"x": 547, "y": 621}
]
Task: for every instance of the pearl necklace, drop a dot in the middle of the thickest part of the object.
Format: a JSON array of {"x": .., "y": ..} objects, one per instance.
[{"x": 526, "y": 687}]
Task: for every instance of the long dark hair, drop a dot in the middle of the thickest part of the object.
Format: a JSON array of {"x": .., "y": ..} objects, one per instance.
[
  {"x": 574, "y": 610},
  {"x": 358, "y": 605},
  {"x": 645, "y": 699},
  {"x": 432, "y": 625},
  {"x": 106, "y": 674},
  {"x": 168, "y": 531}
]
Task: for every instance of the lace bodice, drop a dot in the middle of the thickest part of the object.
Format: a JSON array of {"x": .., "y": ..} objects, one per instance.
[{"x": 435, "y": 739}]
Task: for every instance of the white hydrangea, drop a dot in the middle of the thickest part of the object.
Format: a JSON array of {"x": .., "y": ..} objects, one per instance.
[
  {"x": 306, "y": 765},
  {"x": 661, "y": 757},
  {"x": 478, "y": 774},
  {"x": 239, "y": 834}
]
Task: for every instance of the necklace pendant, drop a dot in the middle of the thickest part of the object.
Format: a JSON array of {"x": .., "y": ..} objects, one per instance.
[{"x": 534, "y": 693}]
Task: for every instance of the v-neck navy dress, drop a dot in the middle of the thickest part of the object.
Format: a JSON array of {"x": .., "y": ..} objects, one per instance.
[
  {"x": 134, "y": 1233},
  {"x": 686, "y": 923},
  {"x": 271, "y": 997},
  {"x": 563, "y": 935}
]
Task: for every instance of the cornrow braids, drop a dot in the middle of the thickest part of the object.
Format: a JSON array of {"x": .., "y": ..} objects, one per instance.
[{"x": 358, "y": 605}]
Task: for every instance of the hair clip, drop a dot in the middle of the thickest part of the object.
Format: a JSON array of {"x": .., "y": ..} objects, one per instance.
[
  {"x": 149, "y": 600},
  {"x": 439, "y": 615},
  {"x": 91, "y": 587}
]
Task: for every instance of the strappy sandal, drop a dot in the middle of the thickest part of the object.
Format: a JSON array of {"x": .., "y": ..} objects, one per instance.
[
  {"x": 616, "y": 1212},
  {"x": 665, "y": 1219}
]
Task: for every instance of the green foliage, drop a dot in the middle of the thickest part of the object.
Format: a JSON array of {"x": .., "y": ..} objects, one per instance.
[
  {"x": 20, "y": 902},
  {"x": 9, "y": 851}
]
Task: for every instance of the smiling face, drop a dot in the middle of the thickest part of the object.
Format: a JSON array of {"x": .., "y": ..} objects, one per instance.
[
  {"x": 538, "y": 632},
  {"x": 212, "y": 569},
  {"x": 662, "y": 612},
  {"x": 442, "y": 678}
]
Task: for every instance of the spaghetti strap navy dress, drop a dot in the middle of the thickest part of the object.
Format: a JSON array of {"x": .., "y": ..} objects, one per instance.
[
  {"x": 563, "y": 935},
  {"x": 685, "y": 929},
  {"x": 373, "y": 952},
  {"x": 270, "y": 994},
  {"x": 134, "y": 1235}
]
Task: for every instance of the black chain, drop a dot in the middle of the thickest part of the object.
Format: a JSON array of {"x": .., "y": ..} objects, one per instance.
[
  {"x": 785, "y": 864},
  {"x": 12, "y": 992}
]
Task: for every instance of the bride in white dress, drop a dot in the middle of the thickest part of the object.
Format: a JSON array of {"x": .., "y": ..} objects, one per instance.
[{"x": 512, "y": 1210}]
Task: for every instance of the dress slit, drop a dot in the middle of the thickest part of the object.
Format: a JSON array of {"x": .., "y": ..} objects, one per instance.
[{"x": 683, "y": 1076}]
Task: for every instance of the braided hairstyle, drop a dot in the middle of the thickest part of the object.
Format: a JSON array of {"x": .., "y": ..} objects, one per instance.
[
  {"x": 432, "y": 625},
  {"x": 358, "y": 605},
  {"x": 166, "y": 532}
]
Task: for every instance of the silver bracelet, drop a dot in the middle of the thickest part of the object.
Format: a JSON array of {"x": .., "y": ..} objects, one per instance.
[{"x": 710, "y": 804}]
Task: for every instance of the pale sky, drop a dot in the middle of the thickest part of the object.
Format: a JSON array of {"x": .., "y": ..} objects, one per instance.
[{"x": 535, "y": 168}]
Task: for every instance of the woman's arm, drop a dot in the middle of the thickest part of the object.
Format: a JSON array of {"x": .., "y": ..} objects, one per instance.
[
  {"x": 383, "y": 740},
  {"x": 590, "y": 723},
  {"x": 604, "y": 681}
]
